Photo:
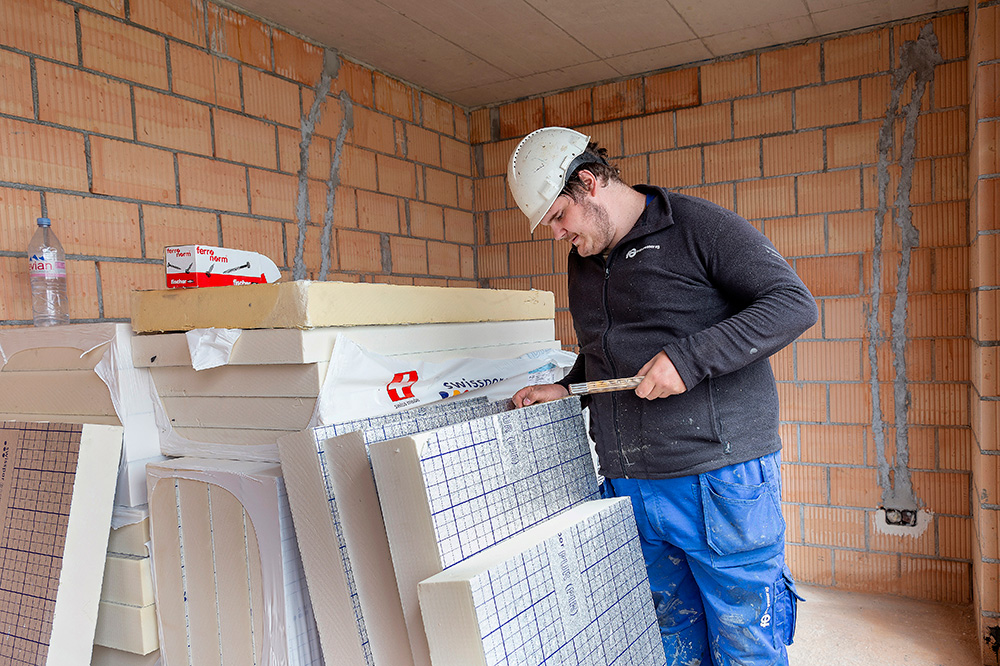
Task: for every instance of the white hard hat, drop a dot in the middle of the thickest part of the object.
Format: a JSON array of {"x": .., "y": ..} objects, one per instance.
[{"x": 539, "y": 167}]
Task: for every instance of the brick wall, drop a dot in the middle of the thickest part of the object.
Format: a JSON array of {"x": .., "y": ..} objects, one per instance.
[
  {"x": 154, "y": 122},
  {"x": 789, "y": 138},
  {"x": 984, "y": 179}
]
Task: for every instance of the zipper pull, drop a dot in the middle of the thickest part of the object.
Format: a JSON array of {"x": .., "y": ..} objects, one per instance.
[{"x": 607, "y": 272}]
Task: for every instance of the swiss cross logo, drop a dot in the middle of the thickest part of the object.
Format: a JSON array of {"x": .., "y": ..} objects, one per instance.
[{"x": 401, "y": 386}]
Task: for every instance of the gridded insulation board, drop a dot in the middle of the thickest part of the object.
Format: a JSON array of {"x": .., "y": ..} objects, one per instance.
[
  {"x": 229, "y": 582},
  {"x": 305, "y": 304},
  {"x": 335, "y": 508},
  {"x": 450, "y": 493},
  {"x": 571, "y": 590},
  {"x": 57, "y": 487}
]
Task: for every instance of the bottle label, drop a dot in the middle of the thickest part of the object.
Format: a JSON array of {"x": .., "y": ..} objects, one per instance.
[{"x": 45, "y": 266}]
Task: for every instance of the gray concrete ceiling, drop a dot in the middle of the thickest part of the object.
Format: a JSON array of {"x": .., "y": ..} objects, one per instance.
[{"x": 479, "y": 52}]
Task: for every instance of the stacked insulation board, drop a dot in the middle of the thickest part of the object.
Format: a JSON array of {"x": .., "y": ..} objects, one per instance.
[
  {"x": 50, "y": 374},
  {"x": 335, "y": 508},
  {"x": 229, "y": 580},
  {"x": 126, "y": 619},
  {"x": 58, "y": 483},
  {"x": 450, "y": 493},
  {"x": 269, "y": 382},
  {"x": 571, "y": 590}
]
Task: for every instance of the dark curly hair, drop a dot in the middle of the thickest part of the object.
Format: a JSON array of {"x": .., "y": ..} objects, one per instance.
[{"x": 594, "y": 160}]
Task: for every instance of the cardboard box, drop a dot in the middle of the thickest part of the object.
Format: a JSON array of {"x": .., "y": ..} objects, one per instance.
[{"x": 205, "y": 266}]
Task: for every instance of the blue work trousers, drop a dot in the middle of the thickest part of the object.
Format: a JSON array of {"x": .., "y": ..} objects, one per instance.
[{"x": 715, "y": 553}]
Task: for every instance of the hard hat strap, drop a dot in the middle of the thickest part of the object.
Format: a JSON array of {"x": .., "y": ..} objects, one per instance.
[{"x": 580, "y": 160}]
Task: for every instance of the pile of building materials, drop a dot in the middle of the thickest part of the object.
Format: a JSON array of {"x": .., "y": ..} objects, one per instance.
[
  {"x": 229, "y": 581},
  {"x": 264, "y": 382},
  {"x": 83, "y": 374},
  {"x": 58, "y": 483},
  {"x": 336, "y": 509},
  {"x": 355, "y": 543}
]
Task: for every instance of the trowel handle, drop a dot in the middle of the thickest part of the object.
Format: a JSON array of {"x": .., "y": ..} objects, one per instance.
[{"x": 605, "y": 385}]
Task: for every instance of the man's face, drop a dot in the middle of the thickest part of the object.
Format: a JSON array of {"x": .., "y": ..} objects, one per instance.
[{"x": 585, "y": 224}]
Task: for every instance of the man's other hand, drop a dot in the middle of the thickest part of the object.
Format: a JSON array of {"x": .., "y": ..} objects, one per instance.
[
  {"x": 531, "y": 395},
  {"x": 661, "y": 379}
]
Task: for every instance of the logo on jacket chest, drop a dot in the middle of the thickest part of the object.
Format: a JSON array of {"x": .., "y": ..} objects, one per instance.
[{"x": 636, "y": 250}]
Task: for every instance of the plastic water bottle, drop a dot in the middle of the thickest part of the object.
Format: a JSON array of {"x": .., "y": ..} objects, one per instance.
[{"x": 47, "y": 268}]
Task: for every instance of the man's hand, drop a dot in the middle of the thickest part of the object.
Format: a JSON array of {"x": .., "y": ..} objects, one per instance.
[
  {"x": 661, "y": 379},
  {"x": 531, "y": 395}
]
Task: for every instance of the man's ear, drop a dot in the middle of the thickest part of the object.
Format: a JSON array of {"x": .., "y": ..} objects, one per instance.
[{"x": 590, "y": 181}]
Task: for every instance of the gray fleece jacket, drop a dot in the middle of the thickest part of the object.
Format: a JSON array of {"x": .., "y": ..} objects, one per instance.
[{"x": 702, "y": 284}]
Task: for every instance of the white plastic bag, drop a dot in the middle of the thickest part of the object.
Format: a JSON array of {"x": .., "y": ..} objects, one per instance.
[{"x": 360, "y": 383}]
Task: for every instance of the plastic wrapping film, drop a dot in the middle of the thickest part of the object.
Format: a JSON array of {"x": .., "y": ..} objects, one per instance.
[
  {"x": 361, "y": 384},
  {"x": 258, "y": 506},
  {"x": 132, "y": 394},
  {"x": 128, "y": 515},
  {"x": 128, "y": 387},
  {"x": 85, "y": 337},
  {"x": 211, "y": 347}
]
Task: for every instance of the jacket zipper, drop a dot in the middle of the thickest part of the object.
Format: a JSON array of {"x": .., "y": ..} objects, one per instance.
[{"x": 611, "y": 361}]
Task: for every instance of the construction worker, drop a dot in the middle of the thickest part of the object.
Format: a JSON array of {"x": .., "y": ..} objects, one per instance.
[{"x": 695, "y": 299}]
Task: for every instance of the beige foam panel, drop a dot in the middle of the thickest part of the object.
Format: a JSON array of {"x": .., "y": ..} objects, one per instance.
[
  {"x": 105, "y": 656},
  {"x": 304, "y": 304},
  {"x": 128, "y": 579},
  {"x": 127, "y": 628},
  {"x": 130, "y": 539},
  {"x": 229, "y": 587},
  {"x": 56, "y": 499}
]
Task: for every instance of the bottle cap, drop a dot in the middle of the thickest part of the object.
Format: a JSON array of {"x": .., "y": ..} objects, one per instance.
[{"x": 44, "y": 222}]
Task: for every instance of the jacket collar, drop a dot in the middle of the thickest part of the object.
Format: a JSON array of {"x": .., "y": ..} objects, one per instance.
[{"x": 656, "y": 216}]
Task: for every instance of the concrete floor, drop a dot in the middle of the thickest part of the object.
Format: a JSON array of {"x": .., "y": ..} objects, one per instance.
[{"x": 854, "y": 629}]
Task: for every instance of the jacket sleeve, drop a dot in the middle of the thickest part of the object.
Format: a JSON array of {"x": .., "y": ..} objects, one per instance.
[
  {"x": 576, "y": 374},
  {"x": 772, "y": 306}
]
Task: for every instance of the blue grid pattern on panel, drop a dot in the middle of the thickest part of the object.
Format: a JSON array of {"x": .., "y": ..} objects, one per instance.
[
  {"x": 493, "y": 477},
  {"x": 39, "y": 471},
  {"x": 378, "y": 429},
  {"x": 524, "y": 606}
]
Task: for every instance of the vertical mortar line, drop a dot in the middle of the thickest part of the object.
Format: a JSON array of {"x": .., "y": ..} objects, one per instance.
[
  {"x": 218, "y": 228},
  {"x": 920, "y": 57},
  {"x": 885, "y": 149},
  {"x": 127, "y": 8},
  {"x": 246, "y": 179},
  {"x": 135, "y": 129},
  {"x": 34, "y": 87},
  {"x": 406, "y": 217},
  {"x": 79, "y": 37},
  {"x": 44, "y": 202},
  {"x": 307, "y": 127},
  {"x": 239, "y": 71},
  {"x": 170, "y": 68},
  {"x": 142, "y": 233},
  {"x": 90, "y": 165},
  {"x": 100, "y": 290},
  {"x": 386, "y": 252},
  {"x": 177, "y": 178},
  {"x": 346, "y": 123}
]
